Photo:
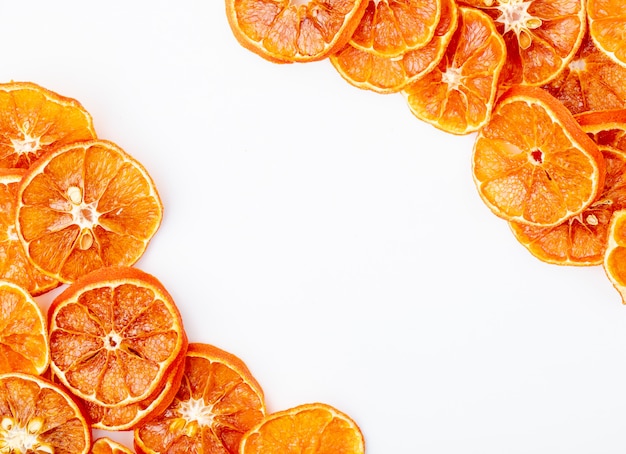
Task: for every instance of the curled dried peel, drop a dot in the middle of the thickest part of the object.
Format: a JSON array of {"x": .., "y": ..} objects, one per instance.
[
  {"x": 532, "y": 163},
  {"x": 287, "y": 32}
]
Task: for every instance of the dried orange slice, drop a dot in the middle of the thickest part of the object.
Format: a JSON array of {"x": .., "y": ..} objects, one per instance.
[
  {"x": 317, "y": 428},
  {"x": 286, "y": 32},
  {"x": 14, "y": 264},
  {"x": 605, "y": 127},
  {"x": 23, "y": 334},
  {"x": 615, "y": 256},
  {"x": 457, "y": 96},
  {"x": 34, "y": 120},
  {"x": 389, "y": 28},
  {"x": 532, "y": 163},
  {"x": 366, "y": 70},
  {"x": 218, "y": 401},
  {"x": 86, "y": 206},
  {"x": 581, "y": 239},
  {"x": 607, "y": 26},
  {"x": 115, "y": 335},
  {"x": 105, "y": 445},
  {"x": 541, "y": 36},
  {"x": 37, "y": 416},
  {"x": 128, "y": 417},
  {"x": 591, "y": 81}
]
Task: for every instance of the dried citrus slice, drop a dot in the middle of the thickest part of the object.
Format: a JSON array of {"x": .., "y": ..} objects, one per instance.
[
  {"x": 37, "y": 416},
  {"x": 366, "y": 70},
  {"x": 581, "y": 239},
  {"x": 591, "y": 81},
  {"x": 86, "y": 206},
  {"x": 115, "y": 335},
  {"x": 14, "y": 264},
  {"x": 532, "y": 163},
  {"x": 34, "y": 120},
  {"x": 607, "y": 26},
  {"x": 389, "y": 28},
  {"x": 285, "y": 31},
  {"x": 541, "y": 36},
  {"x": 605, "y": 127},
  {"x": 615, "y": 256},
  {"x": 317, "y": 428},
  {"x": 457, "y": 96},
  {"x": 105, "y": 445},
  {"x": 23, "y": 334},
  {"x": 218, "y": 401},
  {"x": 128, "y": 417}
]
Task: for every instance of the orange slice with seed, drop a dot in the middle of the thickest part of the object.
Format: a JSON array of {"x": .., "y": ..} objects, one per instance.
[
  {"x": 582, "y": 239},
  {"x": 86, "y": 206},
  {"x": 218, "y": 401},
  {"x": 37, "y": 416},
  {"x": 532, "y": 163}
]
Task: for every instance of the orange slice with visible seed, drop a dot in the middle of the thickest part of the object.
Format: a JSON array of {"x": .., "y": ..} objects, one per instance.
[
  {"x": 37, "y": 416},
  {"x": 218, "y": 401},
  {"x": 581, "y": 240},
  {"x": 532, "y": 163},
  {"x": 86, "y": 206}
]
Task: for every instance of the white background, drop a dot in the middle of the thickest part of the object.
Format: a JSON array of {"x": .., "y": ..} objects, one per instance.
[{"x": 333, "y": 241}]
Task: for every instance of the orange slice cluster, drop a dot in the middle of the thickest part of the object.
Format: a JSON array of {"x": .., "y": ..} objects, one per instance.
[
  {"x": 111, "y": 351},
  {"x": 542, "y": 86}
]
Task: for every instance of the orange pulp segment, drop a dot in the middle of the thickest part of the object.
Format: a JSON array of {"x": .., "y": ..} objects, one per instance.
[
  {"x": 115, "y": 335},
  {"x": 389, "y": 28},
  {"x": 366, "y": 70},
  {"x": 23, "y": 333},
  {"x": 532, "y": 163},
  {"x": 605, "y": 127},
  {"x": 218, "y": 401},
  {"x": 34, "y": 120},
  {"x": 581, "y": 239},
  {"x": 39, "y": 417},
  {"x": 591, "y": 81},
  {"x": 316, "y": 427},
  {"x": 86, "y": 206},
  {"x": 285, "y": 32},
  {"x": 607, "y": 26},
  {"x": 458, "y": 95},
  {"x": 105, "y": 445},
  {"x": 14, "y": 264},
  {"x": 615, "y": 256},
  {"x": 541, "y": 36}
]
